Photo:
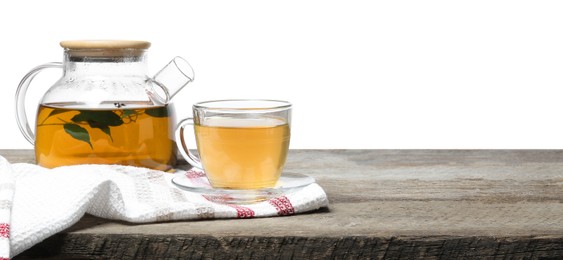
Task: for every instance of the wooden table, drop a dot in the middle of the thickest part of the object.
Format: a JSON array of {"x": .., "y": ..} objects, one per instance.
[{"x": 392, "y": 204}]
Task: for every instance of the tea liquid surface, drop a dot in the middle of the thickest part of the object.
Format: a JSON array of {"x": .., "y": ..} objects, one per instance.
[
  {"x": 243, "y": 153},
  {"x": 118, "y": 133}
]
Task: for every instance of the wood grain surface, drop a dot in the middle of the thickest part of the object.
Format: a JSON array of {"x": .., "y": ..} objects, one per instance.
[{"x": 384, "y": 204}]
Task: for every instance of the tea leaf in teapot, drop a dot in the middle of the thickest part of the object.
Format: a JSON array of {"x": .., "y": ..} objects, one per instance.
[
  {"x": 98, "y": 118},
  {"x": 128, "y": 112},
  {"x": 106, "y": 130},
  {"x": 52, "y": 113},
  {"x": 56, "y": 112},
  {"x": 157, "y": 112},
  {"x": 78, "y": 133}
]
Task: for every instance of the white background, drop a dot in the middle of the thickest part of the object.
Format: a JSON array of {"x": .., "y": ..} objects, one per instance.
[{"x": 361, "y": 74}]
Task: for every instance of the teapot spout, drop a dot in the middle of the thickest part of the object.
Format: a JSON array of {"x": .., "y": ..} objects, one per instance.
[{"x": 170, "y": 80}]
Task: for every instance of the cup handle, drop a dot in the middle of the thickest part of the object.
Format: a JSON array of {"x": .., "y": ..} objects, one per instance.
[{"x": 180, "y": 142}]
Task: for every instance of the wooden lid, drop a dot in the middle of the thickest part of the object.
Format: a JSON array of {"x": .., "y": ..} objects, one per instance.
[{"x": 105, "y": 44}]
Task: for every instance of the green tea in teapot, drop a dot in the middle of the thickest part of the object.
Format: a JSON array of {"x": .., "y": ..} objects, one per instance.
[{"x": 114, "y": 133}]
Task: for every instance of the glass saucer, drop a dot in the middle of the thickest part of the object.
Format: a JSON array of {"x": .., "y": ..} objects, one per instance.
[{"x": 199, "y": 184}]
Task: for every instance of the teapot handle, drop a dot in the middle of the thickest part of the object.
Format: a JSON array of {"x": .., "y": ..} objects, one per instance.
[{"x": 21, "y": 116}]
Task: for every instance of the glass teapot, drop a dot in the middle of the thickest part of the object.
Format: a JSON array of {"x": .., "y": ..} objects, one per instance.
[{"x": 105, "y": 109}]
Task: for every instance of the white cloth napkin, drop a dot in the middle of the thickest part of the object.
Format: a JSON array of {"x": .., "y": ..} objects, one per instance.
[{"x": 36, "y": 203}]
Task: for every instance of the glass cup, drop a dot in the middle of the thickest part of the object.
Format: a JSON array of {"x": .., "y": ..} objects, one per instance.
[{"x": 242, "y": 144}]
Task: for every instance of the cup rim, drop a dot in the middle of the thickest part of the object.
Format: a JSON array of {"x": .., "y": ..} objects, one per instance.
[{"x": 243, "y": 104}]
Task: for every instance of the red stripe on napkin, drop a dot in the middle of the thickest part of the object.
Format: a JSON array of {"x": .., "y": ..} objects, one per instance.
[
  {"x": 193, "y": 174},
  {"x": 243, "y": 212},
  {"x": 224, "y": 198},
  {"x": 197, "y": 177},
  {"x": 282, "y": 205},
  {"x": 5, "y": 230}
]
